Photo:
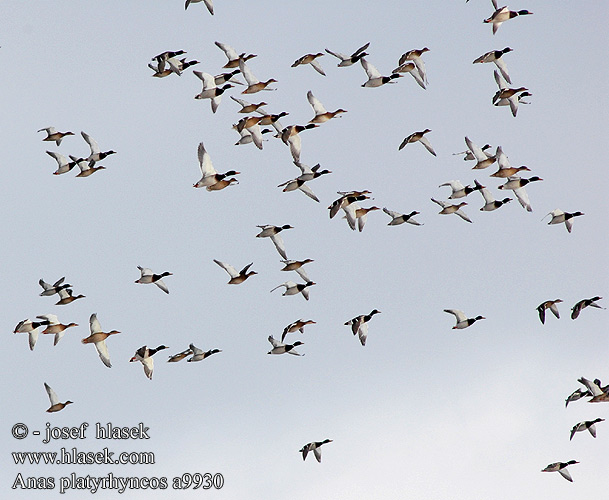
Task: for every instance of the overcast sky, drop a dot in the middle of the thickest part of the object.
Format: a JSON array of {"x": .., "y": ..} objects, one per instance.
[{"x": 422, "y": 411}]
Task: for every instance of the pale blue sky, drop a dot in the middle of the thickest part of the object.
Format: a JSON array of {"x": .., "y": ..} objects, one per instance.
[{"x": 422, "y": 411}]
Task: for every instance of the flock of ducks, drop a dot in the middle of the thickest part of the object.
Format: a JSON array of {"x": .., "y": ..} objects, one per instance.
[{"x": 251, "y": 131}]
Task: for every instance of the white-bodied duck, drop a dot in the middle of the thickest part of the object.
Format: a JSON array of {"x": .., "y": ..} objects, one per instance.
[
  {"x": 209, "y": 175},
  {"x": 31, "y": 328},
  {"x": 63, "y": 165},
  {"x": 281, "y": 348},
  {"x": 495, "y": 56},
  {"x": 292, "y": 288},
  {"x": 96, "y": 153},
  {"x": 503, "y": 14},
  {"x": 398, "y": 218},
  {"x": 272, "y": 232},
  {"x": 375, "y": 79},
  {"x": 462, "y": 320},
  {"x": 200, "y": 354},
  {"x": 558, "y": 217},
  {"x": 561, "y": 468},
  {"x": 517, "y": 184},
  {"x": 588, "y": 425},
  {"x": 359, "y": 325},
  {"x": 490, "y": 203},
  {"x": 147, "y": 276},
  {"x": 144, "y": 356},
  {"x": 352, "y": 59}
]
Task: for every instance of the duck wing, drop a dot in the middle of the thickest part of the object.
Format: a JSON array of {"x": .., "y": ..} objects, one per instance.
[
  {"x": 228, "y": 268},
  {"x": 52, "y": 396},
  {"x": 104, "y": 355}
]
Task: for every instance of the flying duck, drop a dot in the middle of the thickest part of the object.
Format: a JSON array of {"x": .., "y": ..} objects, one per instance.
[
  {"x": 236, "y": 277},
  {"x": 98, "y": 338},
  {"x": 96, "y": 153},
  {"x": 418, "y": 136},
  {"x": 272, "y": 232},
  {"x": 200, "y": 354},
  {"x": 503, "y": 14},
  {"x": 599, "y": 394},
  {"x": 296, "y": 265},
  {"x": 415, "y": 56},
  {"x": 209, "y": 175},
  {"x": 86, "y": 168},
  {"x": 352, "y": 59},
  {"x": 31, "y": 328},
  {"x": 354, "y": 213},
  {"x": 55, "y": 404},
  {"x": 321, "y": 114},
  {"x": 507, "y": 93},
  {"x": 559, "y": 216},
  {"x": 505, "y": 169},
  {"x": 582, "y": 304},
  {"x": 494, "y": 56},
  {"x": 292, "y": 288},
  {"x": 375, "y": 79},
  {"x": 459, "y": 190},
  {"x": 312, "y": 60},
  {"x": 247, "y": 107},
  {"x": 54, "y": 327},
  {"x": 516, "y": 184},
  {"x": 447, "y": 208},
  {"x": 179, "y": 356},
  {"x": 299, "y": 184},
  {"x": 254, "y": 85},
  {"x": 359, "y": 325},
  {"x": 588, "y": 424},
  {"x": 314, "y": 447},
  {"x": 281, "y": 348},
  {"x": 398, "y": 218},
  {"x": 144, "y": 356},
  {"x": 462, "y": 320},
  {"x": 147, "y": 276},
  {"x": 53, "y": 135},
  {"x": 49, "y": 290},
  {"x": 468, "y": 155},
  {"x": 561, "y": 467},
  {"x": 233, "y": 57},
  {"x": 210, "y": 91},
  {"x": 63, "y": 165},
  {"x": 296, "y": 326},
  {"x": 490, "y": 203},
  {"x": 576, "y": 395},
  {"x": 483, "y": 159},
  {"x": 548, "y": 304}
]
